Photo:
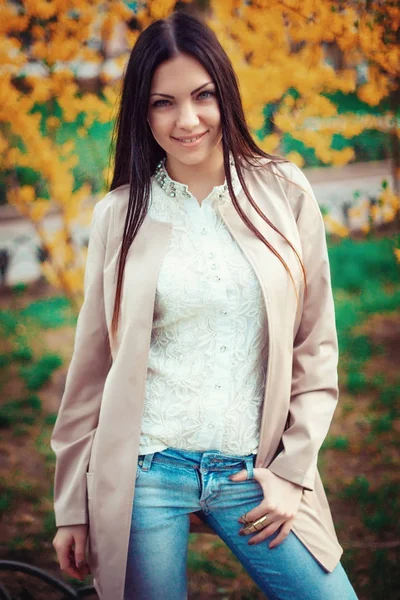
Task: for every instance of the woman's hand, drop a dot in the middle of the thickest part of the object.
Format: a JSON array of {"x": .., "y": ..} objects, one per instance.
[
  {"x": 70, "y": 544},
  {"x": 280, "y": 505}
]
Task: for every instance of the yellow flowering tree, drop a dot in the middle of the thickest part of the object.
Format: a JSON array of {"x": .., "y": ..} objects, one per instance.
[
  {"x": 280, "y": 45},
  {"x": 51, "y": 35},
  {"x": 276, "y": 46}
]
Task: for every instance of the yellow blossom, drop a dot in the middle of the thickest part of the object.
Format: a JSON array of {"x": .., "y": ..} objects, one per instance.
[
  {"x": 27, "y": 194},
  {"x": 53, "y": 122},
  {"x": 39, "y": 209},
  {"x": 296, "y": 158}
]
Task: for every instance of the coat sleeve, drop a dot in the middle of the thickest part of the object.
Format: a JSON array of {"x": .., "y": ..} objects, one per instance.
[
  {"x": 77, "y": 418},
  {"x": 314, "y": 389}
]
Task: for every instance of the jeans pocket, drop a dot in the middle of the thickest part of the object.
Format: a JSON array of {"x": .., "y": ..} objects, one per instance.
[
  {"x": 141, "y": 459},
  {"x": 139, "y": 464}
]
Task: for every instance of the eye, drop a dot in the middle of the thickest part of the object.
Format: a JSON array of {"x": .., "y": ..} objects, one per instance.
[
  {"x": 162, "y": 103},
  {"x": 159, "y": 103},
  {"x": 207, "y": 92}
]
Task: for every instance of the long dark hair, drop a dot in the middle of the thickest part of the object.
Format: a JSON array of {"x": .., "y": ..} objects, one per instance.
[{"x": 136, "y": 151}]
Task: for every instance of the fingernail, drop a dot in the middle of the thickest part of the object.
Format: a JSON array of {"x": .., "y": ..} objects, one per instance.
[{"x": 83, "y": 567}]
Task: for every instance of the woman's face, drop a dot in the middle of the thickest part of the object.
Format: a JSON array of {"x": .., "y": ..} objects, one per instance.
[{"x": 183, "y": 104}]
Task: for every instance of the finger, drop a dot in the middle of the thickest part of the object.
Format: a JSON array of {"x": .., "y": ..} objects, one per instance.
[
  {"x": 265, "y": 533},
  {"x": 80, "y": 554},
  {"x": 239, "y": 476},
  {"x": 68, "y": 566},
  {"x": 284, "y": 532},
  {"x": 72, "y": 571},
  {"x": 83, "y": 567},
  {"x": 255, "y": 513}
]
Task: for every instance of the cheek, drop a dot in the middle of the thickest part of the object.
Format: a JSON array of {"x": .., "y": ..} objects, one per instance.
[
  {"x": 160, "y": 124},
  {"x": 213, "y": 117}
]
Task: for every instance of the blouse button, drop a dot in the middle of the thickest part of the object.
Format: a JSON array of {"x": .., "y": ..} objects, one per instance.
[
  {"x": 214, "y": 266},
  {"x": 211, "y": 255},
  {"x": 217, "y": 278},
  {"x": 211, "y": 425},
  {"x": 223, "y": 348},
  {"x": 217, "y": 386},
  {"x": 224, "y": 312},
  {"x": 203, "y": 231}
]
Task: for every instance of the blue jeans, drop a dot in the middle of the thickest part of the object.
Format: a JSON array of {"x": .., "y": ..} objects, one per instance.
[{"x": 174, "y": 483}]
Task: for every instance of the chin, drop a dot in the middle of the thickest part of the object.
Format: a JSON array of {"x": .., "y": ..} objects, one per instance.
[{"x": 189, "y": 158}]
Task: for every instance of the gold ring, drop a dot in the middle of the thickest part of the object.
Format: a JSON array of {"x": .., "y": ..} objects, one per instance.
[
  {"x": 254, "y": 525},
  {"x": 263, "y": 521}
]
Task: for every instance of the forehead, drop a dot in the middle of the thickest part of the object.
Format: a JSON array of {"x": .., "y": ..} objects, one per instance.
[{"x": 180, "y": 74}]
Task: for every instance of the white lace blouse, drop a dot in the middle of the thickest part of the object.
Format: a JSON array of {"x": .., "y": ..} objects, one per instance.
[{"x": 207, "y": 361}]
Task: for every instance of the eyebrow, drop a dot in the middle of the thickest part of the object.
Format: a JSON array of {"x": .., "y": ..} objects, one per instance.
[{"x": 191, "y": 93}]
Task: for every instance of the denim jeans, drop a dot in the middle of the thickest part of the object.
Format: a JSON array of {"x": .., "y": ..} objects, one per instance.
[{"x": 174, "y": 483}]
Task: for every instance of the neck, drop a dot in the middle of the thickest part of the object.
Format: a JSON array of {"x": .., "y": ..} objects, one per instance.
[{"x": 210, "y": 170}]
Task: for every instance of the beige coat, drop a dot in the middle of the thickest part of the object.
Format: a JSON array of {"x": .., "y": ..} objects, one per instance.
[{"x": 96, "y": 436}]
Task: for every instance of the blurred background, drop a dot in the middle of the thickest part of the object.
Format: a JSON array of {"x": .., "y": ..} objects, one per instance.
[{"x": 320, "y": 85}]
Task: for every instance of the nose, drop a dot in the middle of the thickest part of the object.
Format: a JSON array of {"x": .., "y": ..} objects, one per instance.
[{"x": 187, "y": 118}]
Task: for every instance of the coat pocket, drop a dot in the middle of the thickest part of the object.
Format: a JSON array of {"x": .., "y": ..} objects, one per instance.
[
  {"x": 92, "y": 540},
  {"x": 89, "y": 485}
]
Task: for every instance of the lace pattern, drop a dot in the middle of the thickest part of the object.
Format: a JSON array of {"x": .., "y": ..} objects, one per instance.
[{"x": 208, "y": 351}]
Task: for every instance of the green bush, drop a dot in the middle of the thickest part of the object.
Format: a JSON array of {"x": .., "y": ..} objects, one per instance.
[
  {"x": 8, "y": 323},
  {"x": 384, "y": 422},
  {"x": 50, "y": 419},
  {"x": 37, "y": 374},
  {"x": 4, "y": 360},
  {"x": 389, "y": 397},
  {"x": 375, "y": 299},
  {"x": 347, "y": 316},
  {"x": 360, "y": 346},
  {"x": 339, "y": 442},
  {"x": 356, "y": 382},
  {"x": 358, "y": 489},
  {"x": 360, "y": 264},
  {"x": 49, "y": 313},
  {"x": 20, "y": 411},
  {"x": 5, "y": 501},
  {"x": 22, "y": 352}
]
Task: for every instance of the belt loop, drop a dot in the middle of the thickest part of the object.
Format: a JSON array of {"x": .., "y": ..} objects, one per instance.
[
  {"x": 249, "y": 467},
  {"x": 147, "y": 460}
]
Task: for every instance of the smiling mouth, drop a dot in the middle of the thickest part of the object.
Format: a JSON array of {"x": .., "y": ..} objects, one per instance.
[{"x": 190, "y": 139}]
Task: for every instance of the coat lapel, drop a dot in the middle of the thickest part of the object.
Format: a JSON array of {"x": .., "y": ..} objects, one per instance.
[{"x": 279, "y": 297}]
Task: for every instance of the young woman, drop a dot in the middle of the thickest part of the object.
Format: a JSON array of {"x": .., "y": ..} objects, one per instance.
[{"x": 205, "y": 348}]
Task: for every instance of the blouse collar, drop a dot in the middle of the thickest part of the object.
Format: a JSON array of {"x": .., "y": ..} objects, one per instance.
[{"x": 175, "y": 189}]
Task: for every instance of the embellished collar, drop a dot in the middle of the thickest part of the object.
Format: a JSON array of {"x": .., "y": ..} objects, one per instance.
[{"x": 175, "y": 189}]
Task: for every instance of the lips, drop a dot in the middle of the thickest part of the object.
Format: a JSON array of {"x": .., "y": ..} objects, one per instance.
[{"x": 189, "y": 137}]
